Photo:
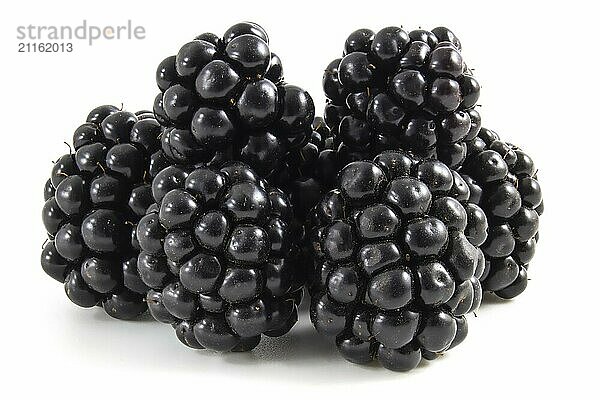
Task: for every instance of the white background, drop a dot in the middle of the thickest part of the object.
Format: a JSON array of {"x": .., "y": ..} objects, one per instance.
[{"x": 538, "y": 64}]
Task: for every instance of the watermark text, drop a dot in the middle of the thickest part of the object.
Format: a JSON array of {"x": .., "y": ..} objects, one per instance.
[{"x": 84, "y": 31}]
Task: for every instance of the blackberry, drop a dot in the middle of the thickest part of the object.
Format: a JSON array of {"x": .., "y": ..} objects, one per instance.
[
  {"x": 225, "y": 99},
  {"x": 396, "y": 260},
  {"x": 220, "y": 257},
  {"x": 402, "y": 90},
  {"x": 94, "y": 198},
  {"x": 309, "y": 171},
  {"x": 503, "y": 181}
]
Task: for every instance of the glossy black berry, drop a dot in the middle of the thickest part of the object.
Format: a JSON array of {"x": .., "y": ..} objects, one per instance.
[
  {"x": 331, "y": 83},
  {"x": 221, "y": 257},
  {"x": 503, "y": 181},
  {"x": 78, "y": 292},
  {"x": 297, "y": 109},
  {"x": 275, "y": 70},
  {"x": 398, "y": 90},
  {"x": 166, "y": 73},
  {"x": 444, "y": 34},
  {"x": 217, "y": 81},
  {"x": 243, "y": 28},
  {"x": 446, "y": 60},
  {"x": 102, "y": 275},
  {"x": 387, "y": 46},
  {"x": 224, "y": 99},
  {"x": 98, "y": 114},
  {"x": 179, "y": 103},
  {"x": 395, "y": 271},
  {"x": 193, "y": 56},
  {"x": 93, "y": 200},
  {"x": 359, "y": 40},
  {"x": 308, "y": 171},
  {"x": 250, "y": 54},
  {"x": 257, "y": 104},
  {"x": 356, "y": 71},
  {"x": 422, "y": 35},
  {"x": 117, "y": 126}
]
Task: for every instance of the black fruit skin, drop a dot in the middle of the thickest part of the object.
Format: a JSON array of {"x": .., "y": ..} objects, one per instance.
[
  {"x": 93, "y": 200},
  {"x": 224, "y": 99},
  {"x": 396, "y": 260},
  {"x": 220, "y": 256},
  {"x": 395, "y": 89},
  {"x": 503, "y": 181}
]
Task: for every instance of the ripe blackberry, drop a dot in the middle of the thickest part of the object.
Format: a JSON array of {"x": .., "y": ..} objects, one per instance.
[
  {"x": 94, "y": 197},
  {"x": 402, "y": 90},
  {"x": 396, "y": 260},
  {"x": 225, "y": 99},
  {"x": 503, "y": 181},
  {"x": 220, "y": 257},
  {"x": 308, "y": 172}
]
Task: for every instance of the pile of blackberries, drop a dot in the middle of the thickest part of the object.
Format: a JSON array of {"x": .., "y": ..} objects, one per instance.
[{"x": 396, "y": 212}]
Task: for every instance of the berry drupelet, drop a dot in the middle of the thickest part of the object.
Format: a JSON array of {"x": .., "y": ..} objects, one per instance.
[
  {"x": 220, "y": 257},
  {"x": 396, "y": 260},
  {"x": 94, "y": 198},
  {"x": 225, "y": 99},
  {"x": 503, "y": 181},
  {"x": 402, "y": 90}
]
